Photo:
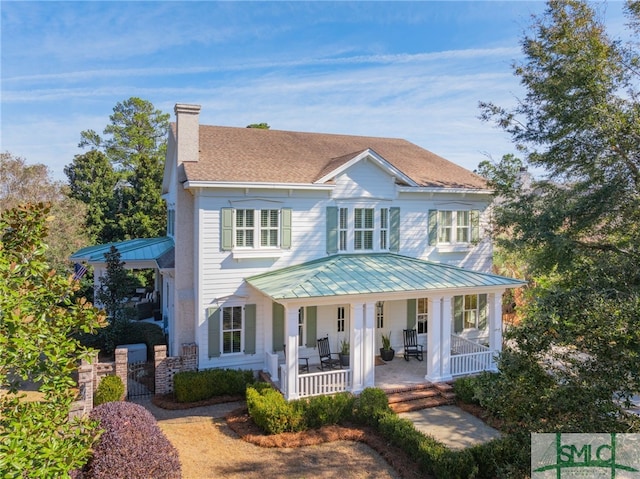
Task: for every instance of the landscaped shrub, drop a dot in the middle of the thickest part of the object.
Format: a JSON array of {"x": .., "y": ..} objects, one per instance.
[
  {"x": 324, "y": 410},
  {"x": 191, "y": 386},
  {"x": 465, "y": 389},
  {"x": 272, "y": 413},
  {"x": 132, "y": 445},
  {"x": 109, "y": 389},
  {"x": 370, "y": 406},
  {"x": 506, "y": 457}
]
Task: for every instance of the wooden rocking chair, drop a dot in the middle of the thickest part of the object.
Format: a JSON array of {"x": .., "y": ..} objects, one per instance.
[
  {"x": 411, "y": 346},
  {"x": 326, "y": 359}
]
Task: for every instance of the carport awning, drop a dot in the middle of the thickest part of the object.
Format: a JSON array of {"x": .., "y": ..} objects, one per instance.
[
  {"x": 353, "y": 274},
  {"x": 141, "y": 250}
]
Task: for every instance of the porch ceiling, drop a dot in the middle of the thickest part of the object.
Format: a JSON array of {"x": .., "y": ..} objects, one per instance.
[
  {"x": 153, "y": 250},
  {"x": 352, "y": 274}
]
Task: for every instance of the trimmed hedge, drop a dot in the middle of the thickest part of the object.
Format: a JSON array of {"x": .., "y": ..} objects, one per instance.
[
  {"x": 191, "y": 386},
  {"x": 273, "y": 413},
  {"x": 110, "y": 389},
  {"x": 132, "y": 446},
  {"x": 370, "y": 406},
  {"x": 321, "y": 411}
]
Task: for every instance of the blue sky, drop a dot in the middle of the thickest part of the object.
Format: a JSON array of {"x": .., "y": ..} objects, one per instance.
[{"x": 413, "y": 70}]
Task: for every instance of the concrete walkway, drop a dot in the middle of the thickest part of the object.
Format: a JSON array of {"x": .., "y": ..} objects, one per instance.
[{"x": 451, "y": 426}]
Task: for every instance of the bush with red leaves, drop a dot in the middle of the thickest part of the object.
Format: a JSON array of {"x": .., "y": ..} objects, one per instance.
[{"x": 132, "y": 445}]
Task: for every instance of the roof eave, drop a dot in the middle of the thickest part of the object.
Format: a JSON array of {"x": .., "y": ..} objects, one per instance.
[{"x": 193, "y": 184}]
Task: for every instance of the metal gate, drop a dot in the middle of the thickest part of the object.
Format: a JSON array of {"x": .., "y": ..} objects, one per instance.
[{"x": 140, "y": 379}]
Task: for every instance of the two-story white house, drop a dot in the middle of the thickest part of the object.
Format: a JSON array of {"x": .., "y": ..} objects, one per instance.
[{"x": 282, "y": 238}]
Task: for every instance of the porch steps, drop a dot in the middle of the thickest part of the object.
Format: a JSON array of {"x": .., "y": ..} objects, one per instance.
[{"x": 420, "y": 396}]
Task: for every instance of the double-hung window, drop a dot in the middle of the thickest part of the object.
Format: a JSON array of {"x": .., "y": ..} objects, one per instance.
[
  {"x": 255, "y": 229},
  {"x": 245, "y": 228},
  {"x": 422, "y": 310},
  {"x": 231, "y": 329},
  {"x": 269, "y": 228},
  {"x": 470, "y": 312},
  {"x": 363, "y": 228},
  {"x": 454, "y": 227}
]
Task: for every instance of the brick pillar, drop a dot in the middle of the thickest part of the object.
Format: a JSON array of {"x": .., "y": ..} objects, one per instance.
[
  {"x": 160, "y": 356},
  {"x": 189, "y": 357},
  {"x": 122, "y": 367},
  {"x": 85, "y": 385}
]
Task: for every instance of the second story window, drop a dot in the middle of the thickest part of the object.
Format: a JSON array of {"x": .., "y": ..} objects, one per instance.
[
  {"x": 269, "y": 228},
  {"x": 254, "y": 229},
  {"x": 454, "y": 227},
  {"x": 363, "y": 228},
  {"x": 244, "y": 228}
]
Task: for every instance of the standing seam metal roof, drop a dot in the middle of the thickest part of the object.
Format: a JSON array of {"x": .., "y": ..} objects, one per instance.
[{"x": 353, "y": 274}]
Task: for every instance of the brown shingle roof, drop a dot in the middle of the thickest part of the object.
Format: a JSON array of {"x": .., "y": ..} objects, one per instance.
[{"x": 271, "y": 156}]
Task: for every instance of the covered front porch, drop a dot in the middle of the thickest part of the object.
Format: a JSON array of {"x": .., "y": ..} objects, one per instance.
[{"x": 357, "y": 298}]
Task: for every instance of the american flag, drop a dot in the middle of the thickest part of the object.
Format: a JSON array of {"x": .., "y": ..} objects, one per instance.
[{"x": 78, "y": 271}]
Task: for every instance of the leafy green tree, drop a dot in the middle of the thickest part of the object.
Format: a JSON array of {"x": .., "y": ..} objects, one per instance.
[
  {"x": 578, "y": 228},
  {"x": 120, "y": 177},
  {"x": 259, "y": 126},
  {"x": 39, "y": 322},
  {"x": 23, "y": 183}
]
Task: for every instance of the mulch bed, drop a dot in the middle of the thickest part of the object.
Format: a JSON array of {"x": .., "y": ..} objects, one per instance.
[{"x": 241, "y": 423}]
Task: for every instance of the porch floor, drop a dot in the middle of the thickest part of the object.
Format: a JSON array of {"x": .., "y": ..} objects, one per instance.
[{"x": 399, "y": 373}]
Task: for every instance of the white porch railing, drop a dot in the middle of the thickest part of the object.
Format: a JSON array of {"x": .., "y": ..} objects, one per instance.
[
  {"x": 317, "y": 384},
  {"x": 469, "y": 357}
]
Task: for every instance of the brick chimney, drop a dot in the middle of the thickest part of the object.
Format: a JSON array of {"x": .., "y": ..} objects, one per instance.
[{"x": 187, "y": 127}]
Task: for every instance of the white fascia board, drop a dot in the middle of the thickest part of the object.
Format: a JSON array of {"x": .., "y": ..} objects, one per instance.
[
  {"x": 372, "y": 155},
  {"x": 439, "y": 189},
  {"x": 262, "y": 186}
]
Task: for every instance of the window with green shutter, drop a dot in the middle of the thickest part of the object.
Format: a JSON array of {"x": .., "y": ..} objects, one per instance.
[
  {"x": 255, "y": 229},
  {"x": 453, "y": 227}
]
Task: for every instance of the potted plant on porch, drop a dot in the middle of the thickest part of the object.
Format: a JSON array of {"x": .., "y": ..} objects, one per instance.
[
  {"x": 344, "y": 353},
  {"x": 386, "y": 352}
]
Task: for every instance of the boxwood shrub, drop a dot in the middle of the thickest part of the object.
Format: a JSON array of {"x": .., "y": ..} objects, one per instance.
[
  {"x": 132, "y": 446},
  {"x": 191, "y": 386},
  {"x": 273, "y": 413},
  {"x": 325, "y": 410},
  {"x": 109, "y": 389},
  {"x": 370, "y": 406}
]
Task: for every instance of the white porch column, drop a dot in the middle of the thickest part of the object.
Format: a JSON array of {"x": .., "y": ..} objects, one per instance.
[
  {"x": 495, "y": 322},
  {"x": 434, "y": 333},
  {"x": 445, "y": 350},
  {"x": 356, "y": 338},
  {"x": 369, "y": 351},
  {"x": 439, "y": 340},
  {"x": 291, "y": 341}
]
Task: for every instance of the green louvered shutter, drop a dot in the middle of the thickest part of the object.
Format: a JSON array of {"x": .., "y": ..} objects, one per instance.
[
  {"x": 482, "y": 311},
  {"x": 411, "y": 313},
  {"x": 277, "y": 314},
  {"x": 433, "y": 227},
  {"x": 475, "y": 226},
  {"x": 213, "y": 324},
  {"x": 458, "y": 313},
  {"x": 250, "y": 329},
  {"x": 285, "y": 228},
  {"x": 312, "y": 326},
  {"x": 226, "y": 237},
  {"x": 332, "y": 229},
  {"x": 394, "y": 229}
]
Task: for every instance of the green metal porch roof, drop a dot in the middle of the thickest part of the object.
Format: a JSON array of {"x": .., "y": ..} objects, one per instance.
[
  {"x": 141, "y": 249},
  {"x": 353, "y": 274}
]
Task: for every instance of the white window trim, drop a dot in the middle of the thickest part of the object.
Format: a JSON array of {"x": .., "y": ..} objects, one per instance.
[
  {"x": 222, "y": 330},
  {"x": 257, "y": 251},
  {"x": 454, "y": 246},
  {"x": 350, "y": 230}
]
